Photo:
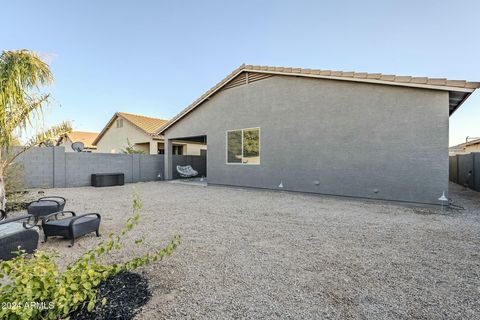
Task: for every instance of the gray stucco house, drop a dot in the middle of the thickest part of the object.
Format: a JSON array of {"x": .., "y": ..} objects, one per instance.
[{"x": 329, "y": 132}]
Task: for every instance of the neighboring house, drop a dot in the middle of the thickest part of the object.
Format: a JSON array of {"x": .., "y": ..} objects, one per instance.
[
  {"x": 140, "y": 131},
  {"x": 86, "y": 138},
  {"x": 329, "y": 132},
  {"x": 465, "y": 148}
]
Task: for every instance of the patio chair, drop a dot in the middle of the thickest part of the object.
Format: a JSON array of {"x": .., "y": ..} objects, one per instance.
[
  {"x": 70, "y": 227},
  {"x": 15, "y": 236},
  {"x": 186, "y": 171},
  {"x": 46, "y": 205},
  {"x": 3, "y": 215}
]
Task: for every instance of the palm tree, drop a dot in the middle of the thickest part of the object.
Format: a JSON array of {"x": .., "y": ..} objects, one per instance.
[{"x": 22, "y": 76}]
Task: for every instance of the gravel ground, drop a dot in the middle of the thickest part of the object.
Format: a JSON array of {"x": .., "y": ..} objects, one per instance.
[{"x": 262, "y": 254}]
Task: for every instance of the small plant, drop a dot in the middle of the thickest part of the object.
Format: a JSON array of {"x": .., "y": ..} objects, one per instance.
[
  {"x": 130, "y": 149},
  {"x": 36, "y": 289}
]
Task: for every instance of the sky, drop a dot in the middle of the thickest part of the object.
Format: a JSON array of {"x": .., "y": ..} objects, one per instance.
[{"x": 156, "y": 57}]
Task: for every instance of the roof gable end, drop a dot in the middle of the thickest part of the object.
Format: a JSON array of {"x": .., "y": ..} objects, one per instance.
[
  {"x": 147, "y": 125},
  {"x": 461, "y": 88}
]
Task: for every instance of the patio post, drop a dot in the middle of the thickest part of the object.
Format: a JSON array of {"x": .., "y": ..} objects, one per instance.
[{"x": 168, "y": 159}]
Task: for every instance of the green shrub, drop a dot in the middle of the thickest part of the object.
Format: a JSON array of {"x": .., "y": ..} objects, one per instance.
[{"x": 35, "y": 288}]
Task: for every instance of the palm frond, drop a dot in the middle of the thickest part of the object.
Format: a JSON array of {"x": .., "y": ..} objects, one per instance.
[
  {"x": 41, "y": 137},
  {"x": 50, "y": 134},
  {"x": 22, "y": 76}
]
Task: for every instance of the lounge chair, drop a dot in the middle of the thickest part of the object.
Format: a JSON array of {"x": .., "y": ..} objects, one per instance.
[
  {"x": 70, "y": 227},
  {"x": 15, "y": 236},
  {"x": 46, "y": 205},
  {"x": 186, "y": 171}
]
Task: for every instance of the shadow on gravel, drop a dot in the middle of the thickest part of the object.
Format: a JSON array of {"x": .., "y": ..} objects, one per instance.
[{"x": 125, "y": 293}]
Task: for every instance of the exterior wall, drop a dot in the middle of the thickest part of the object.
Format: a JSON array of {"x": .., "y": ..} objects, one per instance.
[
  {"x": 115, "y": 139},
  {"x": 54, "y": 168},
  {"x": 329, "y": 137},
  {"x": 193, "y": 149},
  {"x": 472, "y": 148},
  {"x": 145, "y": 147},
  {"x": 67, "y": 144}
]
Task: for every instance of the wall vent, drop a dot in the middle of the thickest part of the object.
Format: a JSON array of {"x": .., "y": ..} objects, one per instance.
[{"x": 245, "y": 78}]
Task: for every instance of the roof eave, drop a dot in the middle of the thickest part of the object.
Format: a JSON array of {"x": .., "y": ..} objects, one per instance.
[
  {"x": 461, "y": 102},
  {"x": 366, "y": 80},
  {"x": 244, "y": 68}
]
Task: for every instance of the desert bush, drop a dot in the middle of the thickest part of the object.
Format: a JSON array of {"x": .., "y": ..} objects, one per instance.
[
  {"x": 130, "y": 149},
  {"x": 14, "y": 179},
  {"x": 15, "y": 187},
  {"x": 35, "y": 288}
]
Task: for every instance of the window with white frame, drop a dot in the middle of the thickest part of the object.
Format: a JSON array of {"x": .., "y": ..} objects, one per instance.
[
  {"x": 119, "y": 123},
  {"x": 243, "y": 146}
]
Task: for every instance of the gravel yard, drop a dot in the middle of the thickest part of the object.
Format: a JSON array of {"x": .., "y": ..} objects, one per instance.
[{"x": 250, "y": 253}]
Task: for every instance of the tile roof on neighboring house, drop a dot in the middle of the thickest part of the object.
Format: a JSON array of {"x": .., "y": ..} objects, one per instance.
[
  {"x": 459, "y": 89},
  {"x": 469, "y": 143},
  {"x": 81, "y": 136},
  {"x": 148, "y": 125},
  {"x": 465, "y": 144},
  {"x": 462, "y": 147}
]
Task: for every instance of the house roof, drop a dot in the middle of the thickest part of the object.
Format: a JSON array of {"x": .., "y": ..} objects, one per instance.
[
  {"x": 465, "y": 144},
  {"x": 148, "y": 125},
  {"x": 81, "y": 136},
  {"x": 459, "y": 89},
  {"x": 476, "y": 141}
]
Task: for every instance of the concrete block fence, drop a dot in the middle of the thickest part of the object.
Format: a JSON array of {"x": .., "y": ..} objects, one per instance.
[
  {"x": 52, "y": 167},
  {"x": 465, "y": 170}
]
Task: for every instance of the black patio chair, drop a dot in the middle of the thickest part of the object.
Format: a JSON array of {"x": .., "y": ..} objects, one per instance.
[
  {"x": 15, "y": 236},
  {"x": 46, "y": 205},
  {"x": 70, "y": 227},
  {"x": 3, "y": 215}
]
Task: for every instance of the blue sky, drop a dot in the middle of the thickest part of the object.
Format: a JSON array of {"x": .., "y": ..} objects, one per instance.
[{"x": 156, "y": 57}]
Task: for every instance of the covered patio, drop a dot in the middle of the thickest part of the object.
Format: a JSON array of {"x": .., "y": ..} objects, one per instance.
[{"x": 197, "y": 162}]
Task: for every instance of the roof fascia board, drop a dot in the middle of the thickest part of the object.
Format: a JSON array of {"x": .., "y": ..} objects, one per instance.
[{"x": 392, "y": 83}]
